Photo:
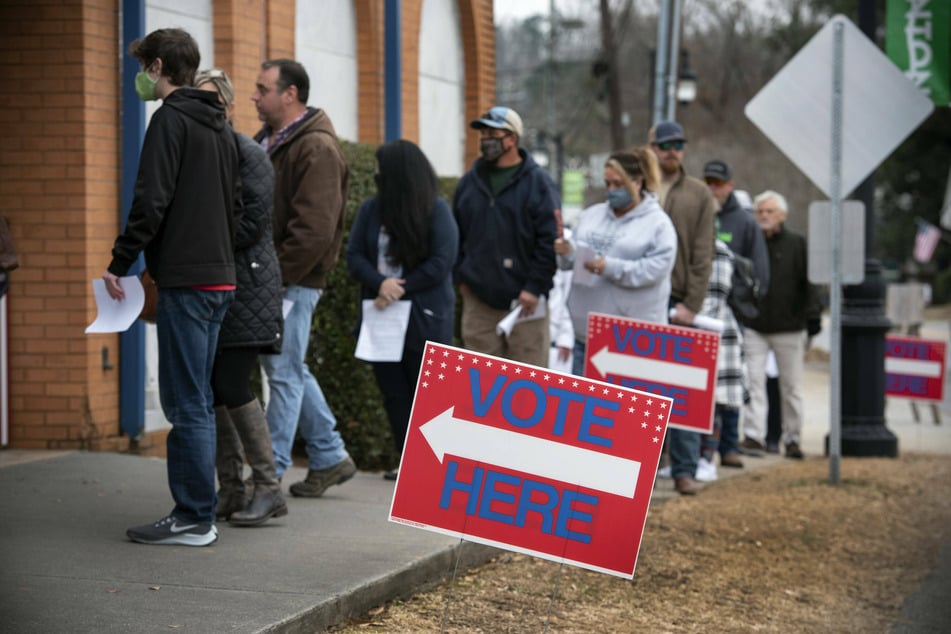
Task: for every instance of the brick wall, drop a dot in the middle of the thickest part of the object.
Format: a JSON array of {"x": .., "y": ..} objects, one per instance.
[
  {"x": 240, "y": 46},
  {"x": 60, "y": 180},
  {"x": 370, "y": 68},
  {"x": 478, "y": 42},
  {"x": 58, "y": 186}
]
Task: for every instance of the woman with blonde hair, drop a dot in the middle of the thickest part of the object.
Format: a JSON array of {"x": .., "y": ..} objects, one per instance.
[
  {"x": 632, "y": 243},
  {"x": 252, "y": 326}
]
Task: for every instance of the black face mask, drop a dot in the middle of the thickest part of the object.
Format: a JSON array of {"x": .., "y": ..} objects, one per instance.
[{"x": 491, "y": 149}]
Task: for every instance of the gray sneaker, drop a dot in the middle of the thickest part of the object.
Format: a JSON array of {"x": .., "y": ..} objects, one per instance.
[
  {"x": 173, "y": 531},
  {"x": 318, "y": 481}
]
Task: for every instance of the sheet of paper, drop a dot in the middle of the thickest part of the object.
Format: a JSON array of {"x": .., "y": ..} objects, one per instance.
[
  {"x": 117, "y": 316},
  {"x": 581, "y": 275},
  {"x": 383, "y": 332},
  {"x": 703, "y": 322},
  {"x": 286, "y": 306},
  {"x": 508, "y": 322}
]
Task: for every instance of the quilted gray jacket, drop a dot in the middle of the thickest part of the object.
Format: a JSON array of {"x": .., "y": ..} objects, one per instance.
[{"x": 254, "y": 319}]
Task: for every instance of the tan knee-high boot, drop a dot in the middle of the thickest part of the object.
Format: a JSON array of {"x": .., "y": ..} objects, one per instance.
[
  {"x": 267, "y": 501},
  {"x": 229, "y": 463}
]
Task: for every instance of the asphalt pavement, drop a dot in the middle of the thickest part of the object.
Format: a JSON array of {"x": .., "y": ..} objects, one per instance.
[{"x": 66, "y": 565}]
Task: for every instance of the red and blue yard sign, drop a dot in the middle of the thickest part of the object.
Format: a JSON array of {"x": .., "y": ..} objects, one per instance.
[
  {"x": 528, "y": 459},
  {"x": 673, "y": 361},
  {"x": 914, "y": 368}
]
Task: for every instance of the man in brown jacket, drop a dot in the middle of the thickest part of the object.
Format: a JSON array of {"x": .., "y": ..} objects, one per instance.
[
  {"x": 310, "y": 192},
  {"x": 693, "y": 210}
]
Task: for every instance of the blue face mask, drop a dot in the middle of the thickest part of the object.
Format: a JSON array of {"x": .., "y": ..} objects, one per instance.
[{"x": 619, "y": 198}]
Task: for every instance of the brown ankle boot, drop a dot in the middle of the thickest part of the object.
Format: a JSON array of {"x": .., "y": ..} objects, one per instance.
[{"x": 267, "y": 501}]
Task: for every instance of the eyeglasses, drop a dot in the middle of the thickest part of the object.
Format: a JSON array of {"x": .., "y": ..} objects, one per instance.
[
  {"x": 716, "y": 182},
  {"x": 670, "y": 145}
]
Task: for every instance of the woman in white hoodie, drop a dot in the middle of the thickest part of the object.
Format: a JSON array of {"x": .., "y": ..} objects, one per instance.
[{"x": 627, "y": 244}]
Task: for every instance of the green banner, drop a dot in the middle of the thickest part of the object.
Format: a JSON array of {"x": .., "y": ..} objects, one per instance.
[{"x": 917, "y": 40}]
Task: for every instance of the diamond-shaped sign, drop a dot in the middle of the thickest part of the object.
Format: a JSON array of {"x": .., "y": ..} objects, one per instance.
[{"x": 880, "y": 107}]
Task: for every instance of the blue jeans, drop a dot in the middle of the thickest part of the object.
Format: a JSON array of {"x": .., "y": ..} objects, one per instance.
[
  {"x": 296, "y": 399},
  {"x": 577, "y": 358},
  {"x": 729, "y": 429},
  {"x": 187, "y": 323},
  {"x": 684, "y": 447}
]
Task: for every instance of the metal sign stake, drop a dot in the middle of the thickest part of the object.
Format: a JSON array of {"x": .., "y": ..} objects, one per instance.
[{"x": 835, "y": 289}]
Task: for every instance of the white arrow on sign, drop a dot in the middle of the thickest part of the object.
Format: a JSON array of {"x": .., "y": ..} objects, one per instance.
[
  {"x": 913, "y": 367},
  {"x": 608, "y": 362},
  {"x": 447, "y": 434}
]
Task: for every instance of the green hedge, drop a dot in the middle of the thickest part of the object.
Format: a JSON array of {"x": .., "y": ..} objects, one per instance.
[{"x": 347, "y": 382}]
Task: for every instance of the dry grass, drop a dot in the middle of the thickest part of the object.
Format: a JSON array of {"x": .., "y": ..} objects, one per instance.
[{"x": 776, "y": 550}]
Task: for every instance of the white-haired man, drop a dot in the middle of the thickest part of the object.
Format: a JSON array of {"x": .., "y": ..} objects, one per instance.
[{"x": 789, "y": 310}]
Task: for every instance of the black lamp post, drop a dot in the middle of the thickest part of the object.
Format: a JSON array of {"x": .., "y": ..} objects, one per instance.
[
  {"x": 686, "y": 91},
  {"x": 686, "y": 80},
  {"x": 864, "y": 325}
]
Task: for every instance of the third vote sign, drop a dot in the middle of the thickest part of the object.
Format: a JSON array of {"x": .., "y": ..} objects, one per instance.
[
  {"x": 673, "y": 361},
  {"x": 525, "y": 458},
  {"x": 914, "y": 368}
]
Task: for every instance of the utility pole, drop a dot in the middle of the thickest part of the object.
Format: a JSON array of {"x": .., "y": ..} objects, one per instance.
[
  {"x": 661, "y": 62},
  {"x": 673, "y": 55},
  {"x": 613, "y": 76},
  {"x": 553, "y": 137}
]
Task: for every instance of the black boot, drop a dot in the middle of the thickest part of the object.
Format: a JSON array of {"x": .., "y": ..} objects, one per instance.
[
  {"x": 229, "y": 463},
  {"x": 267, "y": 501}
]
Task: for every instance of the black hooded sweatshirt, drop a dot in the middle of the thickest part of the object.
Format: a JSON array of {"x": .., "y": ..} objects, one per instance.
[{"x": 187, "y": 201}]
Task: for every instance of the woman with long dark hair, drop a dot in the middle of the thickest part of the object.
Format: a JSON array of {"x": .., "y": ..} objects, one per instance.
[{"x": 402, "y": 246}]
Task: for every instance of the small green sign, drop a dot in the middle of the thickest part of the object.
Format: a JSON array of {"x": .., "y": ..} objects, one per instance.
[
  {"x": 917, "y": 40},
  {"x": 572, "y": 188}
]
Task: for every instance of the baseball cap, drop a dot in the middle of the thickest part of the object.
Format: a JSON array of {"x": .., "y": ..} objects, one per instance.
[
  {"x": 501, "y": 118},
  {"x": 668, "y": 131},
  {"x": 718, "y": 169}
]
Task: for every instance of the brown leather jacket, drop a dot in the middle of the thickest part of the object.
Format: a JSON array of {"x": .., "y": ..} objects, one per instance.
[
  {"x": 693, "y": 210},
  {"x": 310, "y": 193}
]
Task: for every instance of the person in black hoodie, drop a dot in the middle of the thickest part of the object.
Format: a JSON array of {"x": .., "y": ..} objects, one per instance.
[
  {"x": 185, "y": 210},
  {"x": 509, "y": 216}
]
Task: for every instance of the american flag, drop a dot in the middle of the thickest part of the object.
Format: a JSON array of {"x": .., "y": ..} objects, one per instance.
[{"x": 926, "y": 240}]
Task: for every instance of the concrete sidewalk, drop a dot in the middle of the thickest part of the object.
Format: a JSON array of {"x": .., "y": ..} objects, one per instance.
[{"x": 66, "y": 565}]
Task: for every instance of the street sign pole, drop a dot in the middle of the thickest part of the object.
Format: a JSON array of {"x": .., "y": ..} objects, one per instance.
[{"x": 835, "y": 289}]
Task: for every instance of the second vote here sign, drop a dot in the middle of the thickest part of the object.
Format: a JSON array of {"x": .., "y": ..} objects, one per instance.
[{"x": 677, "y": 362}]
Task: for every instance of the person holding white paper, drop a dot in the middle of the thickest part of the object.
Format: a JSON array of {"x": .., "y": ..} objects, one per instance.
[
  {"x": 632, "y": 245},
  {"x": 402, "y": 247},
  {"x": 184, "y": 213}
]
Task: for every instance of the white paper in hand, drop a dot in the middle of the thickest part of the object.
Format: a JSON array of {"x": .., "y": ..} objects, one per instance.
[
  {"x": 508, "y": 322},
  {"x": 383, "y": 332},
  {"x": 581, "y": 275},
  {"x": 114, "y": 315}
]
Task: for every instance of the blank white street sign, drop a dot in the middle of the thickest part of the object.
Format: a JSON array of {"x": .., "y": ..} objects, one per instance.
[
  {"x": 880, "y": 107},
  {"x": 853, "y": 242}
]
